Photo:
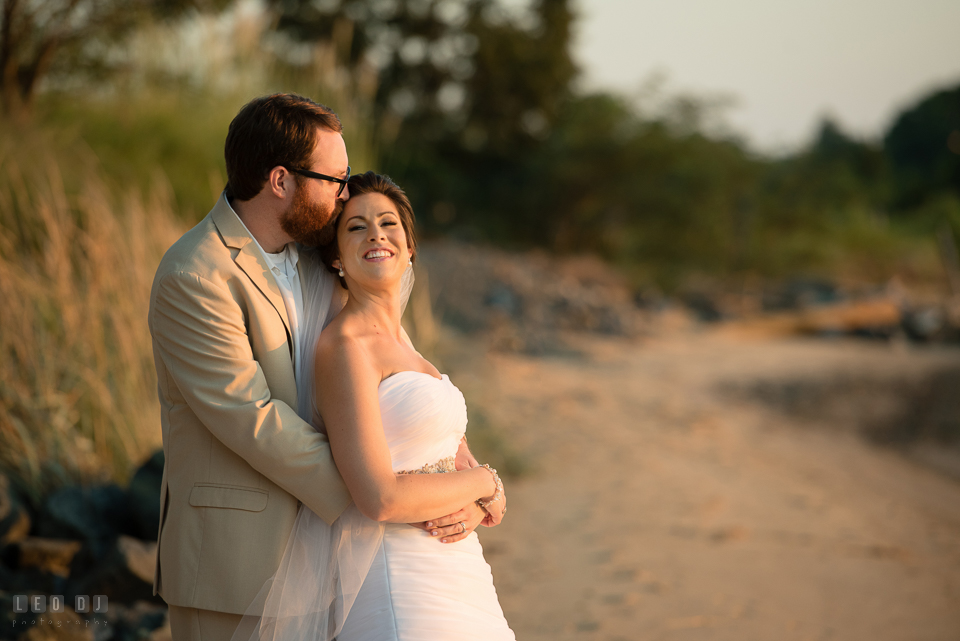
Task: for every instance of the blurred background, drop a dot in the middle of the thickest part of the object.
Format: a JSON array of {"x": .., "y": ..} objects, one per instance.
[{"x": 694, "y": 266}]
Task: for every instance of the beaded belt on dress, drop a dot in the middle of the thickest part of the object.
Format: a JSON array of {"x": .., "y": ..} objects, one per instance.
[{"x": 443, "y": 465}]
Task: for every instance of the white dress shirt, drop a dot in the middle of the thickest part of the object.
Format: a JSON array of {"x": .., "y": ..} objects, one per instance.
[{"x": 285, "y": 272}]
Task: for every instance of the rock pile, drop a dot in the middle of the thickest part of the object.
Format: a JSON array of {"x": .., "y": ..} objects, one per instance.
[
  {"x": 822, "y": 308},
  {"x": 525, "y": 300},
  {"x": 97, "y": 540}
]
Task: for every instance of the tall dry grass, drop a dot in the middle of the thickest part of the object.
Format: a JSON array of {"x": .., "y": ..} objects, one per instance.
[
  {"x": 79, "y": 243},
  {"x": 78, "y": 397}
]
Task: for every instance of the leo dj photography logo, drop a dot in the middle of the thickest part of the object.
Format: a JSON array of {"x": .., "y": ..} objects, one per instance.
[{"x": 37, "y": 604}]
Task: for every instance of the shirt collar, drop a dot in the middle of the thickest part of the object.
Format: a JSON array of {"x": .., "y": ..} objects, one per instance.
[{"x": 288, "y": 254}]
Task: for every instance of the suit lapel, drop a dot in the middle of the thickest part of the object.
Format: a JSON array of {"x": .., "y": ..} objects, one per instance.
[{"x": 249, "y": 258}]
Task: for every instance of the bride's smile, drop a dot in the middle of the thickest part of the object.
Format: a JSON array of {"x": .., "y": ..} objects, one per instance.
[{"x": 378, "y": 255}]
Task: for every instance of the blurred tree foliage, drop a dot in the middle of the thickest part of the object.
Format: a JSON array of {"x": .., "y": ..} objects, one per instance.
[
  {"x": 478, "y": 118},
  {"x": 924, "y": 150},
  {"x": 39, "y": 38},
  {"x": 473, "y": 106},
  {"x": 469, "y": 95},
  {"x": 448, "y": 70}
]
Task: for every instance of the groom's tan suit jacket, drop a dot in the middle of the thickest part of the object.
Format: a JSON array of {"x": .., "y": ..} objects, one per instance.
[{"x": 238, "y": 458}]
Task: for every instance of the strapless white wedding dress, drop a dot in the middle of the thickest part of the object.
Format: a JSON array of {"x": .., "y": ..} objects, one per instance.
[
  {"x": 418, "y": 588},
  {"x": 359, "y": 580}
]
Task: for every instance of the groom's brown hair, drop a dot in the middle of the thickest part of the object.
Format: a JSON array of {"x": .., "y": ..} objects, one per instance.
[{"x": 271, "y": 131}]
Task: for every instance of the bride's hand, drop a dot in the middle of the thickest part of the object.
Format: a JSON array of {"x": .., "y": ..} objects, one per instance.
[{"x": 448, "y": 529}]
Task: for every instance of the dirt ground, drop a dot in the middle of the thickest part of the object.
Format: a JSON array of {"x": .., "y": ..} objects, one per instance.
[{"x": 668, "y": 498}]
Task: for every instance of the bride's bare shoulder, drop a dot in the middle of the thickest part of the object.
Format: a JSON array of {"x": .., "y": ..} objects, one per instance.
[{"x": 340, "y": 344}]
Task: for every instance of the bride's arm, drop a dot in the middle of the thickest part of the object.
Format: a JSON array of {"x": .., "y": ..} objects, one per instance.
[{"x": 346, "y": 388}]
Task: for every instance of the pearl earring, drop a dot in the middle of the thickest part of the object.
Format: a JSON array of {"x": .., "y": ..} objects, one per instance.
[
  {"x": 410, "y": 262},
  {"x": 341, "y": 272}
]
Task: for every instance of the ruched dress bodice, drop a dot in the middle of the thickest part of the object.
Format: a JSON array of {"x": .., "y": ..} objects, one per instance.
[{"x": 424, "y": 418}]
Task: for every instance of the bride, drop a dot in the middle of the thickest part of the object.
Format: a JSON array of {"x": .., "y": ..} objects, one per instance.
[{"x": 395, "y": 426}]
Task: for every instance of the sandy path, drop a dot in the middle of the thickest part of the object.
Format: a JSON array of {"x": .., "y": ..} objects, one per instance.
[{"x": 664, "y": 507}]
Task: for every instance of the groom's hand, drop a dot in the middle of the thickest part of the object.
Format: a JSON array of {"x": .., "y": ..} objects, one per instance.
[
  {"x": 464, "y": 459},
  {"x": 448, "y": 529},
  {"x": 495, "y": 511}
]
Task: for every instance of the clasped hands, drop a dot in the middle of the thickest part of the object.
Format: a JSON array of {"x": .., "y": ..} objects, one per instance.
[{"x": 457, "y": 526}]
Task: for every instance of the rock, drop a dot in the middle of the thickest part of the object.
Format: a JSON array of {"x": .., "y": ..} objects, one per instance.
[
  {"x": 800, "y": 293},
  {"x": 14, "y": 517},
  {"x": 538, "y": 295},
  {"x": 703, "y": 306},
  {"x": 53, "y": 556},
  {"x": 925, "y": 323},
  {"x": 7, "y": 615},
  {"x": 95, "y": 515},
  {"x": 7, "y": 580},
  {"x": 143, "y": 497},
  {"x": 503, "y": 298},
  {"x": 124, "y": 575},
  {"x": 877, "y": 317},
  {"x": 34, "y": 576},
  {"x": 140, "y": 558},
  {"x": 880, "y": 316}
]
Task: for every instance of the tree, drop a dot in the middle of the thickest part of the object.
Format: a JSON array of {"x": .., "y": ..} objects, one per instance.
[
  {"x": 839, "y": 172},
  {"x": 923, "y": 146},
  {"x": 468, "y": 93},
  {"x": 476, "y": 70},
  {"x": 37, "y": 36}
]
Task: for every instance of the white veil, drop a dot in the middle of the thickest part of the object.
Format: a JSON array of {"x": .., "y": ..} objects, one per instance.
[{"x": 323, "y": 566}]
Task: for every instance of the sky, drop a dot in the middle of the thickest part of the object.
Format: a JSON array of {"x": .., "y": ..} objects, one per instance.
[{"x": 784, "y": 63}]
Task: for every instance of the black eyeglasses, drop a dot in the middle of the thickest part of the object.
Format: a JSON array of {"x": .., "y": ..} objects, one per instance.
[{"x": 313, "y": 174}]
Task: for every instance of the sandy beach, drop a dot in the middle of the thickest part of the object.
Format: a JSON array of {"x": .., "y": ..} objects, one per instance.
[{"x": 673, "y": 495}]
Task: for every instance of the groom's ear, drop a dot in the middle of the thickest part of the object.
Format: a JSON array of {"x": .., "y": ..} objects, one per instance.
[{"x": 279, "y": 182}]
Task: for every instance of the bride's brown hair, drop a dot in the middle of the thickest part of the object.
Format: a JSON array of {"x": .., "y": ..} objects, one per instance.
[{"x": 367, "y": 183}]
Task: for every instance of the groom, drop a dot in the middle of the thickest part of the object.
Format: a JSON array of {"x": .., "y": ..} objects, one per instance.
[{"x": 225, "y": 314}]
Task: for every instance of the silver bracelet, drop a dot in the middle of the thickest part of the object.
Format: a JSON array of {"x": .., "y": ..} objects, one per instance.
[{"x": 498, "y": 494}]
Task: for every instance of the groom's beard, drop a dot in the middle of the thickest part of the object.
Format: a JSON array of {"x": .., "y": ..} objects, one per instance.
[{"x": 308, "y": 222}]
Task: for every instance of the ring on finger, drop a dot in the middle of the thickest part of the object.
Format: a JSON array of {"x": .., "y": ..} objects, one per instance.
[{"x": 463, "y": 527}]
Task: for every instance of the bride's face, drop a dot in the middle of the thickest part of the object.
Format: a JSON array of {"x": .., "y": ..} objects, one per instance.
[{"x": 371, "y": 239}]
